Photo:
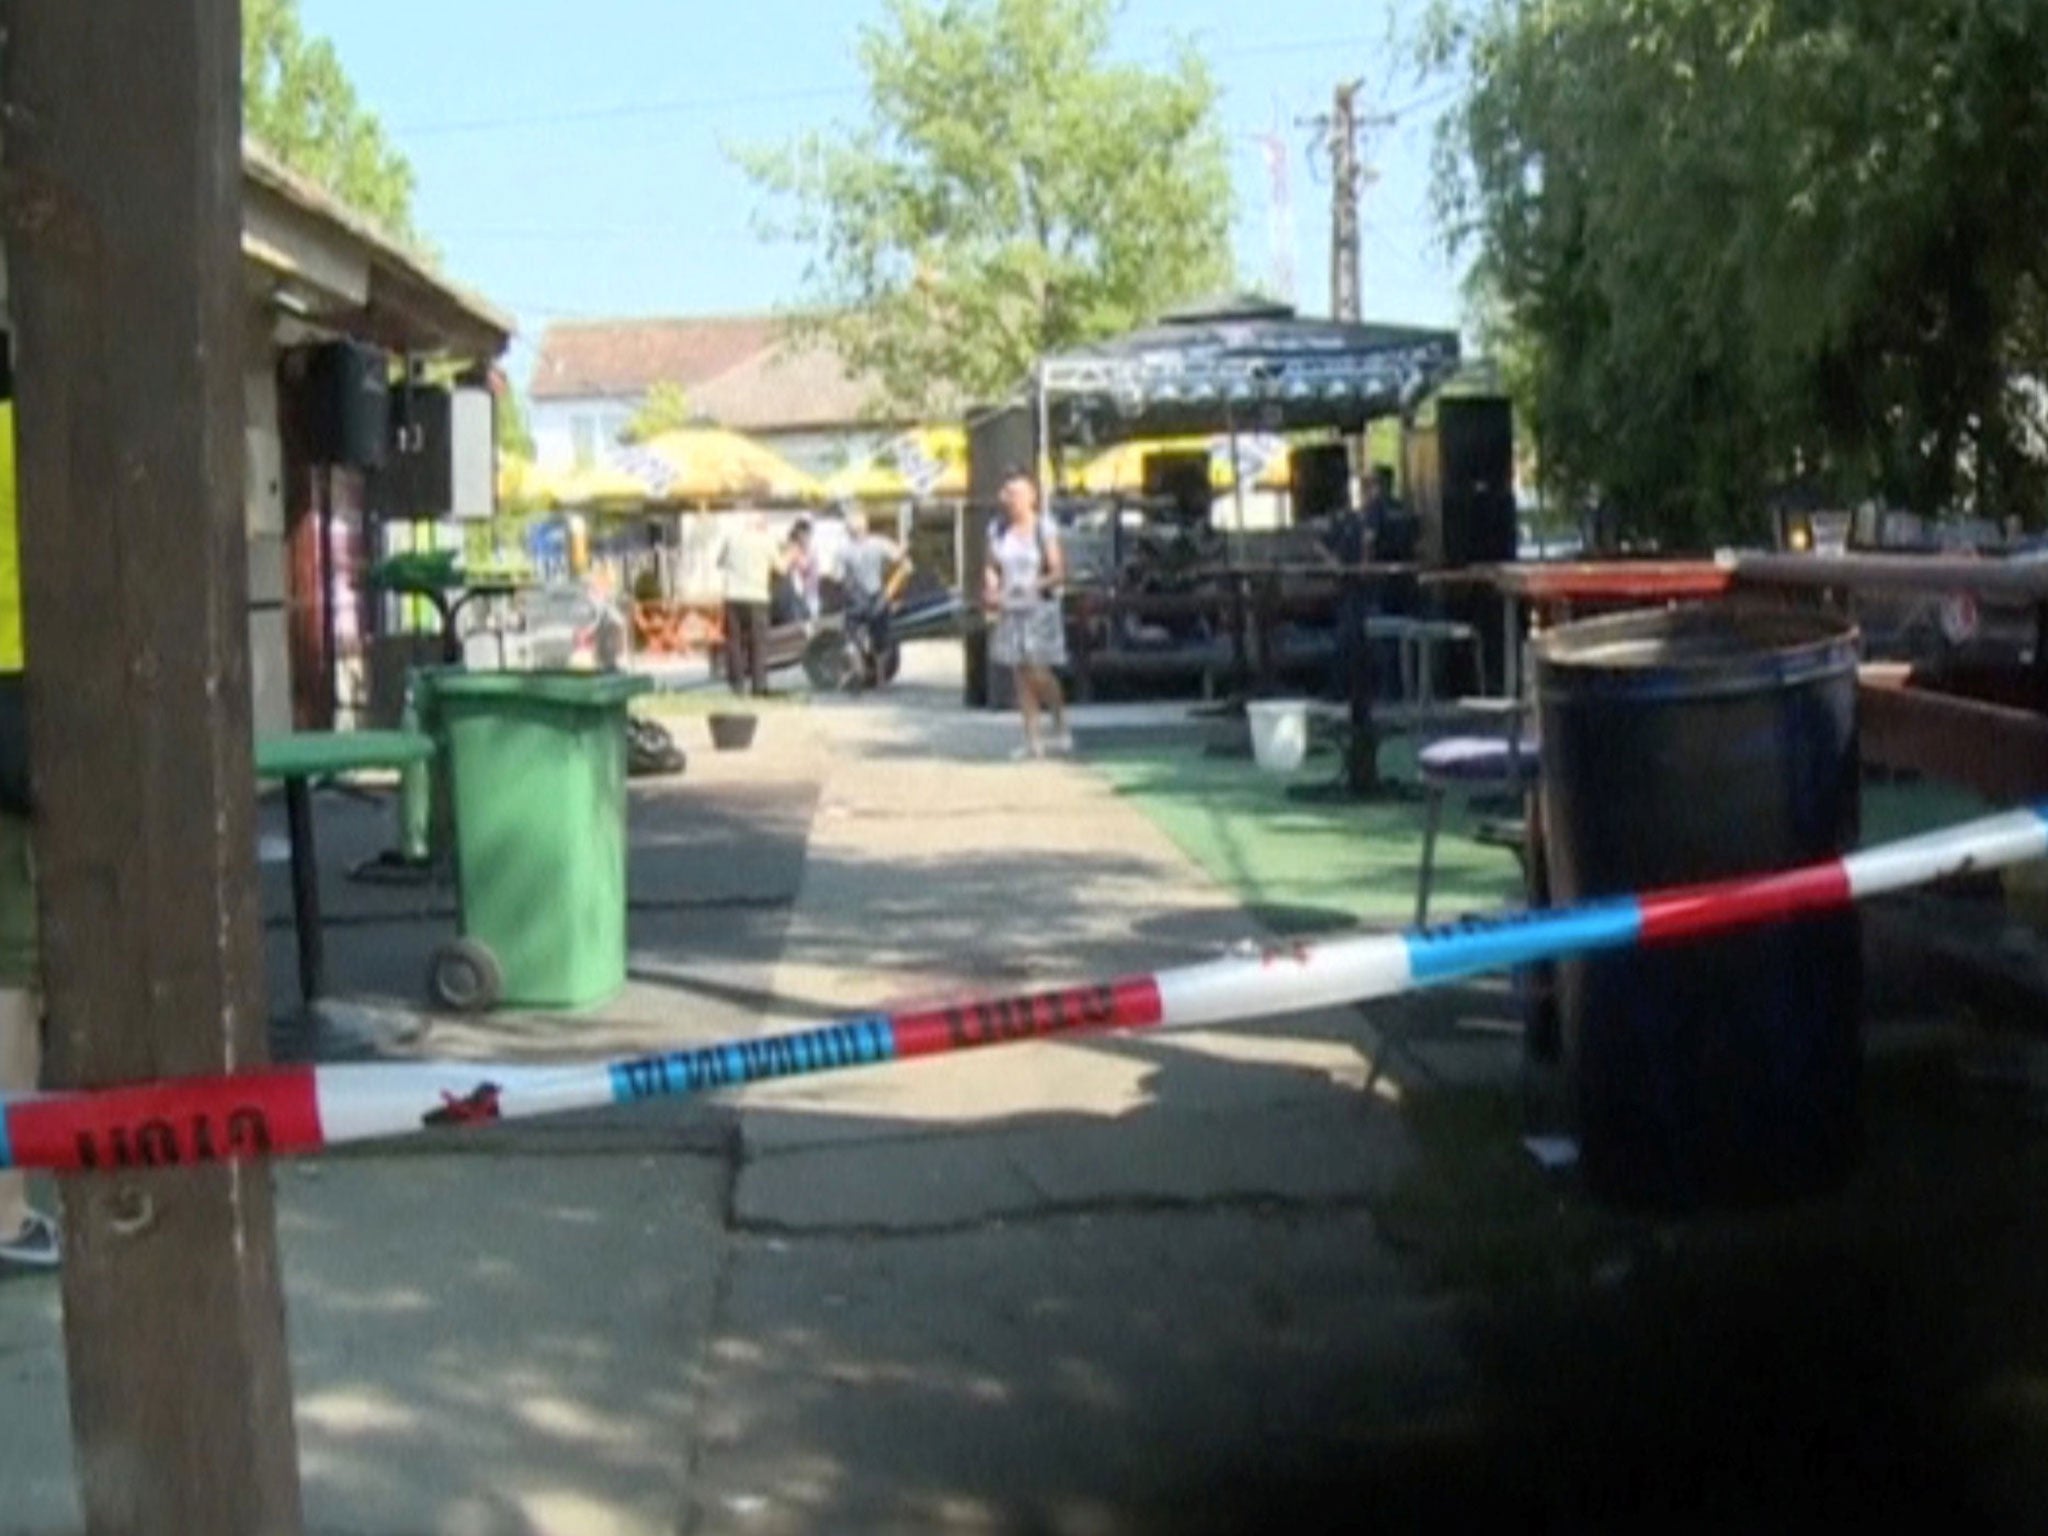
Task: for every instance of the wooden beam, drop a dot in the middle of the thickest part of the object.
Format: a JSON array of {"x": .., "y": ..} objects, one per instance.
[
  {"x": 122, "y": 202},
  {"x": 2023, "y": 581},
  {"x": 1999, "y": 752}
]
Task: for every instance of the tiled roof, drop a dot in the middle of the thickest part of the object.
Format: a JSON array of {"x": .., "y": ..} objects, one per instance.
[
  {"x": 738, "y": 370},
  {"x": 626, "y": 357}
]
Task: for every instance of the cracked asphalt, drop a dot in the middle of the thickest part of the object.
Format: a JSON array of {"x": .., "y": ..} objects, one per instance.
[{"x": 1115, "y": 1285}]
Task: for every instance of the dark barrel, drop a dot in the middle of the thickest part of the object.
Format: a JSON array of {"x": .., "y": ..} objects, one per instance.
[{"x": 1688, "y": 745}]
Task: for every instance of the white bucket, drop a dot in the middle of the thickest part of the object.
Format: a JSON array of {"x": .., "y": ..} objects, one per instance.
[{"x": 1279, "y": 733}]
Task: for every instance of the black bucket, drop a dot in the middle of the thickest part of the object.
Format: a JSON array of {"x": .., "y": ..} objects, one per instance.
[
  {"x": 1689, "y": 745},
  {"x": 732, "y": 733}
]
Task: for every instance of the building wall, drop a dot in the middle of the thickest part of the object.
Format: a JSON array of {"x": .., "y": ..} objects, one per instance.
[
  {"x": 569, "y": 432},
  {"x": 270, "y": 679},
  {"x": 263, "y": 509}
]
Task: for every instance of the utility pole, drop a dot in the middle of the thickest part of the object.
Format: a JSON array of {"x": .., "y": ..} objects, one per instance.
[
  {"x": 1340, "y": 131},
  {"x": 1344, "y": 190},
  {"x": 123, "y": 180}
]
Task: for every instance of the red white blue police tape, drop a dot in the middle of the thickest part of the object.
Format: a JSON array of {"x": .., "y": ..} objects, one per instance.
[{"x": 299, "y": 1109}]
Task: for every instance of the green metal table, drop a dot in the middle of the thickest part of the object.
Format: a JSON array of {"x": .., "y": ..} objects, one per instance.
[{"x": 297, "y": 759}]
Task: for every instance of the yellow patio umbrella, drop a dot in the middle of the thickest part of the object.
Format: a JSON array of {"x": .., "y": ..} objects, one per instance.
[
  {"x": 1122, "y": 468},
  {"x": 596, "y": 488},
  {"x": 707, "y": 464},
  {"x": 522, "y": 486},
  {"x": 927, "y": 463}
]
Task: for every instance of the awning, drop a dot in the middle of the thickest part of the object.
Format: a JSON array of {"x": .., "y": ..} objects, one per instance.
[
  {"x": 1242, "y": 363},
  {"x": 921, "y": 465}
]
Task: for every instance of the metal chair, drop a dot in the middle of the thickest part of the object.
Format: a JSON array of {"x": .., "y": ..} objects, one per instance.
[{"x": 1503, "y": 763}]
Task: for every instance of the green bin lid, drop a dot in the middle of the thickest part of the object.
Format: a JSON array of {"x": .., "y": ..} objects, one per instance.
[
  {"x": 590, "y": 690},
  {"x": 320, "y": 754}
]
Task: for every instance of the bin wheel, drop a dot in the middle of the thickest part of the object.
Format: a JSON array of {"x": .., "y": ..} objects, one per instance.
[
  {"x": 464, "y": 977},
  {"x": 827, "y": 665}
]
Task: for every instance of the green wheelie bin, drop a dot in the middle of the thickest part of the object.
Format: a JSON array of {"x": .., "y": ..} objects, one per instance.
[{"x": 536, "y": 766}]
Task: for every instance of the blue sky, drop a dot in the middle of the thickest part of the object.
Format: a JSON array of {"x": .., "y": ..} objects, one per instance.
[{"x": 570, "y": 163}]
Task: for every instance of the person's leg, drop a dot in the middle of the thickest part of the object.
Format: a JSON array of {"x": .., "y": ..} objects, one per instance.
[
  {"x": 1046, "y": 686},
  {"x": 21, "y": 1060},
  {"x": 26, "y": 1236},
  {"x": 1345, "y": 622},
  {"x": 878, "y": 642},
  {"x": 860, "y": 627},
  {"x": 1055, "y": 700},
  {"x": 735, "y": 655},
  {"x": 1027, "y": 704},
  {"x": 757, "y": 645}
]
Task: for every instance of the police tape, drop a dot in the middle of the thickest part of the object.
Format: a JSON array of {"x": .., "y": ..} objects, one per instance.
[{"x": 301, "y": 1109}]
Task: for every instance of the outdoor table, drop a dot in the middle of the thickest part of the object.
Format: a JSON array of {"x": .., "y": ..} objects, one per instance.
[
  {"x": 1361, "y": 757},
  {"x": 2017, "y": 582},
  {"x": 1553, "y": 589},
  {"x": 297, "y": 759},
  {"x": 1983, "y": 724}
]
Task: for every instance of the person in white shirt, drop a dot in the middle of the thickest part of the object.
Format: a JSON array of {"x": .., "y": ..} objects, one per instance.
[
  {"x": 1021, "y": 589},
  {"x": 749, "y": 560}
]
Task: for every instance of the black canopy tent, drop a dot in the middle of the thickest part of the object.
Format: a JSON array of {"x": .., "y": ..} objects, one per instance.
[
  {"x": 1243, "y": 364},
  {"x": 1239, "y": 364}
]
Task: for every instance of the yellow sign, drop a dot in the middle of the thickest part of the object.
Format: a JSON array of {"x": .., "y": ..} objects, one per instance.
[{"x": 11, "y": 653}]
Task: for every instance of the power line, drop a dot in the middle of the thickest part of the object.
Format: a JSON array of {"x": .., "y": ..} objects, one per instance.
[
  {"x": 684, "y": 105},
  {"x": 564, "y": 233},
  {"x": 618, "y": 110},
  {"x": 1427, "y": 99}
]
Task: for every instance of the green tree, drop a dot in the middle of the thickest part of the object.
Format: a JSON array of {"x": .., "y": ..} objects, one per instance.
[
  {"x": 515, "y": 432},
  {"x": 1013, "y": 191},
  {"x": 664, "y": 408},
  {"x": 1738, "y": 247},
  {"x": 298, "y": 101}
]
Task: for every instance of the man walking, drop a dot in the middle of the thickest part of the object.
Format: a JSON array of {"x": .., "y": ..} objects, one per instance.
[
  {"x": 866, "y": 566},
  {"x": 749, "y": 560}
]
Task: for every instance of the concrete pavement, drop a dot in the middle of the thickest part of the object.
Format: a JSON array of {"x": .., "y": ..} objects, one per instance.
[
  {"x": 1098, "y": 1285},
  {"x": 1207, "y": 1281},
  {"x": 1107, "y": 1285}
]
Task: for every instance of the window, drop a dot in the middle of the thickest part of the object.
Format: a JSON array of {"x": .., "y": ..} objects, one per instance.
[{"x": 583, "y": 440}]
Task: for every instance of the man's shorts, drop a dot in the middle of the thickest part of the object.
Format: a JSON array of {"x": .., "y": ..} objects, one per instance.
[{"x": 18, "y": 961}]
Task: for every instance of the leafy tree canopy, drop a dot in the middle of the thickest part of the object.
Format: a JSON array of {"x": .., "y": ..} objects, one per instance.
[
  {"x": 1734, "y": 248},
  {"x": 1014, "y": 190},
  {"x": 298, "y": 101},
  {"x": 664, "y": 409}
]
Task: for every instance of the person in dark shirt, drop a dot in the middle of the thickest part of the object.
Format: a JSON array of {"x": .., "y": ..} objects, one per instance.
[
  {"x": 1347, "y": 542},
  {"x": 1395, "y": 534}
]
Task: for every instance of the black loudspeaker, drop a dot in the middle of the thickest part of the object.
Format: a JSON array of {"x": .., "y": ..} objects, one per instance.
[
  {"x": 416, "y": 480},
  {"x": 348, "y": 405},
  {"x": 1461, "y": 484},
  {"x": 1183, "y": 479},
  {"x": 1319, "y": 480}
]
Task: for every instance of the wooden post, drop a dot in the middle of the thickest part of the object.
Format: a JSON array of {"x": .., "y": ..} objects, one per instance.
[{"x": 122, "y": 202}]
